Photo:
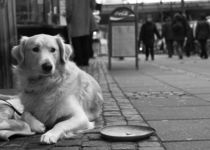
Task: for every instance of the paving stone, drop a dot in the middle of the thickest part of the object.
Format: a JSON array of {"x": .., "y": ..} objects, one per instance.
[
  {"x": 3, "y": 143},
  {"x": 151, "y": 148},
  {"x": 14, "y": 144},
  {"x": 94, "y": 144},
  {"x": 169, "y": 102},
  {"x": 96, "y": 148},
  {"x": 164, "y": 113},
  {"x": 149, "y": 144},
  {"x": 65, "y": 148},
  {"x": 37, "y": 146},
  {"x": 116, "y": 123},
  {"x": 188, "y": 145},
  {"x": 153, "y": 138},
  {"x": 94, "y": 136},
  {"x": 66, "y": 143},
  {"x": 129, "y": 112},
  {"x": 133, "y": 117},
  {"x": 114, "y": 119},
  {"x": 112, "y": 113},
  {"x": 123, "y": 146},
  {"x": 138, "y": 123},
  {"x": 112, "y": 108},
  {"x": 182, "y": 130}
]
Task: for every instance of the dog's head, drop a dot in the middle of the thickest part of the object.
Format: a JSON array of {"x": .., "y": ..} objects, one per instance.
[{"x": 40, "y": 54}]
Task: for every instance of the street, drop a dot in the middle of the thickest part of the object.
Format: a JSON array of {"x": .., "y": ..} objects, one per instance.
[{"x": 172, "y": 95}]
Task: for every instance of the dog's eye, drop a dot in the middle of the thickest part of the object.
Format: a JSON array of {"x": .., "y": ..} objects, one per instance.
[
  {"x": 52, "y": 50},
  {"x": 35, "y": 49}
]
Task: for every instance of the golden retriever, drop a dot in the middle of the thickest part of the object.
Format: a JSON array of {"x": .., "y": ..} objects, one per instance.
[{"x": 57, "y": 95}]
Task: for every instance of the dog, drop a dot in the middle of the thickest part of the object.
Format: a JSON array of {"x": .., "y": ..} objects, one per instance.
[{"x": 58, "y": 97}]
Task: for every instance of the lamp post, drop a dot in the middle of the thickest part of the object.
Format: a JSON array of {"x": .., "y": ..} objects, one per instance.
[
  {"x": 161, "y": 11},
  {"x": 182, "y": 6}
]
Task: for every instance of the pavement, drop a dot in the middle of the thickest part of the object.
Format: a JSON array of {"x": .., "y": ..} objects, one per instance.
[{"x": 170, "y": 95}]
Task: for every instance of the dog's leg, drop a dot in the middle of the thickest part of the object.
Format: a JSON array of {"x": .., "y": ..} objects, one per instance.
[
  {"x": 36, "y": 125},
  {"x": 78, "y": 121},
  {"x": 64, "y": 128}
]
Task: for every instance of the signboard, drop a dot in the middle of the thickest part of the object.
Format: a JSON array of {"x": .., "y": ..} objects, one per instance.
[
  {"x": 123, "y": 39},
  {"x": 122, "y": 34}
]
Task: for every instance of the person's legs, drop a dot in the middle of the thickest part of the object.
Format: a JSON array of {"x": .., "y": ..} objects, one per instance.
[
  {"x": 203, "y": 49},
  {"x": 76, "y": 43},
  {"x": 152, "y": 52},
  {"x": 179, "y": 48},
  {"x": 146, "y": 52},
  {"x": 169, "y": 45},
  {"x": 91, "y": 53},
  {"x": 85, "y": 50}
]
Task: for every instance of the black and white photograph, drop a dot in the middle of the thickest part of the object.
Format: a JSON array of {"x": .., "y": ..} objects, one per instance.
[{"x": 104, "y": 75}]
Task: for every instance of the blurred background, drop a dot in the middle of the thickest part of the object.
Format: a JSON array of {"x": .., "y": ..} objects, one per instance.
[{"x": 29, "y": 17}]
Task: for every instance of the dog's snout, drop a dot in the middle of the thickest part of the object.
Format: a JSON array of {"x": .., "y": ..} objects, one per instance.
[{"x": 47, "y": 67}]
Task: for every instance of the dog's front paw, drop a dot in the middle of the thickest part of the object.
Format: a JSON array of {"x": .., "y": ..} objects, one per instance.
[
  {"x": 49, "y": 138},
  {"x": 37, "y": 127}
]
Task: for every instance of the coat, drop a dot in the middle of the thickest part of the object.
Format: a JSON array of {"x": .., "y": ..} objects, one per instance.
[
  {"x": 202, "y": 30},
  {"x": 180, "y": 28},
  {"x": 167, "y": 32},
  {"x": 78, "y": 15},
  {"x": 148, "y": 30}
]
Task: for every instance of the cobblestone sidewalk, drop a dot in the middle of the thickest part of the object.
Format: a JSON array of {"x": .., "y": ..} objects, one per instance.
[{"x": 117, "y": 110}]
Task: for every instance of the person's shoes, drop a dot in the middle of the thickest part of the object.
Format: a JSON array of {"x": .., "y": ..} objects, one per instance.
[
  {"x": 180, "y": 57},
  {"x": 121, "y": 58}
]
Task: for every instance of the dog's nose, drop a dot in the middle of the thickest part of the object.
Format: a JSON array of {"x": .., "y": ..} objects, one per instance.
[{"x": 46, "y": 67}]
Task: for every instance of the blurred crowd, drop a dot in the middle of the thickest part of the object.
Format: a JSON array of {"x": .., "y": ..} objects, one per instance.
[{"x": 176, "y": 36}]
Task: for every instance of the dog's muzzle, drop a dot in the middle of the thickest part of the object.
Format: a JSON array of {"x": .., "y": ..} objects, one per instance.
[{"x": 47, "y": 67}]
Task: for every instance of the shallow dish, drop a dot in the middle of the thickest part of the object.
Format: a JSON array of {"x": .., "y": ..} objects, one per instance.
[{"x": 126, "y": 132}]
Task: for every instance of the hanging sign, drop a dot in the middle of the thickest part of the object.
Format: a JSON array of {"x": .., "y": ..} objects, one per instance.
[{"x": 121, "y": 13}]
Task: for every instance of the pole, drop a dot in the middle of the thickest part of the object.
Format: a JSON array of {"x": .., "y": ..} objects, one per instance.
[
  {"x": 136, "y": 33},
  {"x": 183, "y": 6}
]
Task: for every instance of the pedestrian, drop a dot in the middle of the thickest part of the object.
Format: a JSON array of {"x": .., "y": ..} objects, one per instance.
[
  {"x": 167, "y": 33},
  {"x": 78, "y": 15},
  {"x": 93, "y": 28},
  {"x": 180, "y": 29},
  {"x": 202, "y": 33},
  {"x": 148, "y": 30},
  {"x": 190, "y": 43}
]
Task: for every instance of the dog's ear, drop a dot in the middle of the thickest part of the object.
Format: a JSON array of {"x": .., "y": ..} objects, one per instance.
[
  {"x": 17, "y": 51},
  {"x": 69, "y": 50},
  {"x": 65, "y": 49}
]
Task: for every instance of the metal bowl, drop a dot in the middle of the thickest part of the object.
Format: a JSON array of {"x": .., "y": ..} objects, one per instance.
[{"x": 126, "y": 132}]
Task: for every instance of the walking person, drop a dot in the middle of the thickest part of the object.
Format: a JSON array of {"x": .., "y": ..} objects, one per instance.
[
  {"x": 180, "y": 29},
  {"x": 202, "y": 33},
  {"x": 147, "y": 33},
  {"x": 78, "y": 15},
  {"x": 167, "y": 33}
]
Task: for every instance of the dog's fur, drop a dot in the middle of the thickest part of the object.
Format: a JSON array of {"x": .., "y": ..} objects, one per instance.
[{"x": 64, "y": 99}]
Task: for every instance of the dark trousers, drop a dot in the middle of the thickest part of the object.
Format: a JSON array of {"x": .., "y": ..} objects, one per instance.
[
  {"x": 179, "y": 45},
  {"x": 149, "y": 49},
  {"x": 170, "y": 48},
  {"x": 204, "y": 53},
  {"x": 81, "y": 47}
]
